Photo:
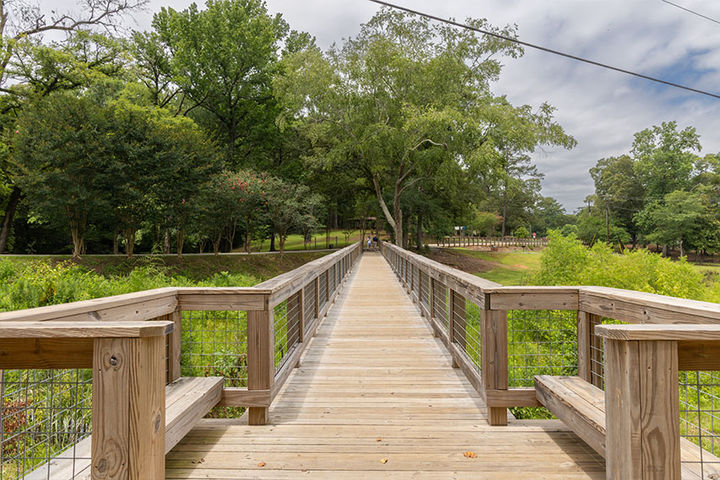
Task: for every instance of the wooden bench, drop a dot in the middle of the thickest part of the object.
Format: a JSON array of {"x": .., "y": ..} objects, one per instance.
[
  {"x": 581, "y": 406},
  {"x": 187, "y": 400}
]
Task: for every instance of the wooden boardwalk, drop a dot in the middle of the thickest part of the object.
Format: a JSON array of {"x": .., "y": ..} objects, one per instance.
[{"x": 376, "y": 397}]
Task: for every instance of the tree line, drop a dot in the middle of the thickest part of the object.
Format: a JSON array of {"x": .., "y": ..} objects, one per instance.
[
  {"x": 222, "y": 125},
  {"x": 663, "y": 191}
]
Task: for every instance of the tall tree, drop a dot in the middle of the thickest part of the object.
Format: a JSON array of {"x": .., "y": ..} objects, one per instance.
[
  {"x": 664, "y": 158},
  {"x": 62, "y": 145},
  {"x": 619, "y": 193},
  {"x": 401, "y": 101},
  {"x": 223, "y": 59}
]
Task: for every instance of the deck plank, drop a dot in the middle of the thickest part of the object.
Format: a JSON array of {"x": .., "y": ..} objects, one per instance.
[{"x": 374, "y": 384}]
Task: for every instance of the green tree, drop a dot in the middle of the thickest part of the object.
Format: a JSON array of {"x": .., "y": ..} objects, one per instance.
[
  {"x": 664, "y": 158},
  {"x": 223, "y": 59},
  {"x": 681, "y": 218},
  {"x": 550, "y": 215},
  {"x": 405, "y": 100},
  {"x": 619, "y": 192},
  {"x": 61, "y": 145},
  {"x": 289, "y": 206}
]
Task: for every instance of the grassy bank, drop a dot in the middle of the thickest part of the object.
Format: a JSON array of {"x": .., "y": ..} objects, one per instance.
[{"x": 27, "y": 282}]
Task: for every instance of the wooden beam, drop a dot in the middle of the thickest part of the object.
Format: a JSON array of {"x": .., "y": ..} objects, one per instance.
[
  {"x": 64, "y": 329},
  {"x": 242, "y": 397},
  {"x": 698, "y": 355},
  {"x": 548, "y": 300},
  {"x": 46, "y": 353},
  {"x": 708, "y": 333},
  {"x": 209, "y": 301}
]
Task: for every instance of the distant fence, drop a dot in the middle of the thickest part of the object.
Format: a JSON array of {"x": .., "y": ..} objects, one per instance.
[{"x": 469, "y": 241}]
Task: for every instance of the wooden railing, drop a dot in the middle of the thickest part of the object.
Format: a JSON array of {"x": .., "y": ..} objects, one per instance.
[
  {"x": 138, "y": 343},
  {"x": 470, "y": 241},
  {"x": 486, "y": 329}
]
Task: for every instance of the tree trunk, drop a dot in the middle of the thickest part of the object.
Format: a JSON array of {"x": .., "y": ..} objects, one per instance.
[
  {"x": 76, "y": 230},
  {"x": 504, "y": 215},
  {"x": 419, "y": 232},
  {"x": 394, "y": 221},
  {"x": 116, "y": 242},
  {"x": 130, "y": 241},
  {"x": 682, "y": 250},
  {"x": 10, "y": 209},
  {"x": 166, "y": 242},
  {"x": 607, "y": 223},
  {"x": 272, "y": 241},
  {"x": 216, "y": 243},
  {"x": 665, "y": 251},
  {"x": 180, "y": 242}
]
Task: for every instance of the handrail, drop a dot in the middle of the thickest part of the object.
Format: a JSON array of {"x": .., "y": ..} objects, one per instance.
[
  {"x": 640, "y": 360},
  {"x": 125, "y": 339}
]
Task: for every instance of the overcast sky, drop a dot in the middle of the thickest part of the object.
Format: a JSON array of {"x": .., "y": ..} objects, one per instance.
[{"x": 600, "y": 108}]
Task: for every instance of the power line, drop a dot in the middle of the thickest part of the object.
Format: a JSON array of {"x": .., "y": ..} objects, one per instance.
[
  {"x": 691, "y": 11},
  {"x": 545, "y": 49}
]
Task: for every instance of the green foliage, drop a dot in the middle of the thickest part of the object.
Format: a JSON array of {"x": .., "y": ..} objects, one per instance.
[
  {"x": 521, "y": 232},
  {"x": 682, "y": 218},
  {"x": 40, "y": 283},
  {"x": 223, "y": 59},
  {"x": 406, "y": 106},
  {"x": 566, "y": 261}
]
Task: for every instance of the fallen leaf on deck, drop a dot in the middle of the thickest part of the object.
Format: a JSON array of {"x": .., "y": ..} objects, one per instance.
[
  {"x": 261, "y": 464},
  {"x": 378, "y": 439},
  {"x": 470, "y": 454},
  {"x": 384, "y": 461}
]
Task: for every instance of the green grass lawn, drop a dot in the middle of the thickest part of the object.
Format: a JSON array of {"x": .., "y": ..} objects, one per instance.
[
  {"x": 318, "y": 241},
  {"x": 511, "y": 268}
]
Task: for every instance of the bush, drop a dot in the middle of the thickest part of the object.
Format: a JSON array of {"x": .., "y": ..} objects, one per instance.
[{"x": 567, "y": 261}]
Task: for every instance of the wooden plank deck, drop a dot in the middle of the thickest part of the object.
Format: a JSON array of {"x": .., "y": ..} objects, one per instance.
[{"x": 376, "y": 397}]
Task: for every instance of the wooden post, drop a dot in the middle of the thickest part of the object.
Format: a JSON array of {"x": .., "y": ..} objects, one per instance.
[
  {"x": 584, "y": 350},
  {"x": 175, "y": 347},
  {"x": 459, "y": 319},
  {"x": 128, "y": 418},
  {"x": 327, "y": 286},
  {"x": 642, "y": 403},
  {"x": 293, "y": 319},
  {"x": 495, "y": 359},
  {"x": 301, "y": 314},
  {"x": 432, "y": 302},
  {"x": 317, "y": 297},
  {"x": 261, "y": 359}
]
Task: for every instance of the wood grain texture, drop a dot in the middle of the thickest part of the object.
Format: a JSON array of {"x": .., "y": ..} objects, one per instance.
[
  {"x": 45, "y": 353},
  {"x": 111, "y": 408},
  {"x": 146, "y": 412},
  {"x": 63, "y": 329},
  {"x": 581, "y": 407},
  {"x": 495, "y": 359},
  {"x": 261, "y": 368},
  {"x": 175, "y": 347},
  {"x": 132, "y": 306},
  {"x": 706, "y": 333}
]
